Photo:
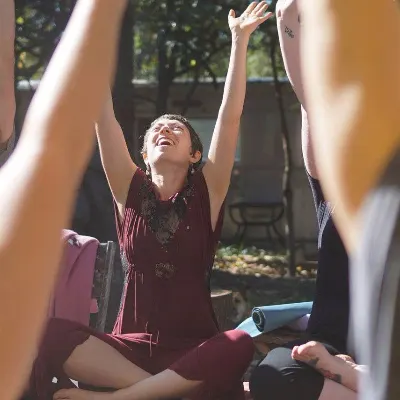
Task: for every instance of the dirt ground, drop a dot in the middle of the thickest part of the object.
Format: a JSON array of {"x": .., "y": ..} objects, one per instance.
[{"x": 262, "y": 278}]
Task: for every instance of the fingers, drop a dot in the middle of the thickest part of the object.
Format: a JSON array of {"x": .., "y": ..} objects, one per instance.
[
  {"x": 295, "y": 352},
  {"x": 260, "y": 9},
  {"x": 251, "y": 7},
  {"x": 266, "y": 16},
  {"x": 231, "y": 14},
  {"x": 61, "y": 394},
  {"x": 345, "y": 357}
]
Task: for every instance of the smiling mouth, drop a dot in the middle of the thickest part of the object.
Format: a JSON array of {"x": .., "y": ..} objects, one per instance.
[{"x": 164, "y": 142}]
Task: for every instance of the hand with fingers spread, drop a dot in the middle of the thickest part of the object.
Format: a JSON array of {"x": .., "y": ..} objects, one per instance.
[{"x": 254, "y": 15}]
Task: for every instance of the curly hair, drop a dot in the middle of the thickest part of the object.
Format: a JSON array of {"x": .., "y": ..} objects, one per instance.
[{"x": 194, "y": 137}]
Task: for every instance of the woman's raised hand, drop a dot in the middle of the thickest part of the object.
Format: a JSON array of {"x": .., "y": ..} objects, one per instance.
[{"x": 254, "y": 15}]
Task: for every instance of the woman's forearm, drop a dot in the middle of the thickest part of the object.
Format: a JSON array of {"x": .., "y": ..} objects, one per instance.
[
  {"x": 353, "y": 91},
  {"x": 109, "y": 135},
  {"x": 224, "y": 140},
  {"x": 221, "y": 156},
  {"x": 117, "y": 163},
  {"x": 236, "y": 79}
]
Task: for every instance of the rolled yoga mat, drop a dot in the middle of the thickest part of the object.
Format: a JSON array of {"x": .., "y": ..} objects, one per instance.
[{"x": 268, "y": 318}]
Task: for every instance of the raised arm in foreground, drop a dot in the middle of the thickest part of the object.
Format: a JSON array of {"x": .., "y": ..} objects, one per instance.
[
  {"x": 37, "y": 184},
  {"x": 352, "y": 85}
]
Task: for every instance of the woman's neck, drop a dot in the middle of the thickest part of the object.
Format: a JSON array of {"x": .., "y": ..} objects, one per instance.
[{"x": 170, "y": 182}]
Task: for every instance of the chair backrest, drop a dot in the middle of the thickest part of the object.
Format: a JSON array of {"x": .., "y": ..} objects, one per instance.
[
  {"x": 107, "y": 286},
  {"x": 261, "y": 185}
]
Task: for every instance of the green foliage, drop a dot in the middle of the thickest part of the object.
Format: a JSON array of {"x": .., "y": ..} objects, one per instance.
[
  {"x": 39, "y": 25},
  {"x": 176, "y": 38},
  {"x": 191, "y": 39}
]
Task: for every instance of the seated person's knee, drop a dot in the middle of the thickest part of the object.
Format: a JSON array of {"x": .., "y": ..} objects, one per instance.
[{"x": 279, "y": 377}]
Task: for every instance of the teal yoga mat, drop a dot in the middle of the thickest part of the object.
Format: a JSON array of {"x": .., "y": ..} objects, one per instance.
[{"x": 268, "y": 318}]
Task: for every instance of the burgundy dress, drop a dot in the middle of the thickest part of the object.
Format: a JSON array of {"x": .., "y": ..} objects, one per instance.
[{"x": 166, "y": 318}]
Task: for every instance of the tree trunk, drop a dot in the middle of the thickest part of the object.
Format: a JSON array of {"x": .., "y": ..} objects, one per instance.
[
  {"x": 166, "y": 63},
  {"x": 191, "y": 91},
  {"x": 123, "y": 85},
  {"x": 222, "y": 302},
  {"x": 163, "y": 76},
  {"x": 162, "y": 98},
  {"x": 287, "y": 173}
]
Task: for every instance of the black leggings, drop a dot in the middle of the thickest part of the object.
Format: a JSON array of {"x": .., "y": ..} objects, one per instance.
[
  {"x": 331, "y": 304},
  {"x": 279, "y": 377}
]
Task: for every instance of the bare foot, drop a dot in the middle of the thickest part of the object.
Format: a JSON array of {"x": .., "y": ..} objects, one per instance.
[
  {"x": 79, "y": 394},
  {"x": 346, "y": 358},
  {"x": 340, "y": 369}
]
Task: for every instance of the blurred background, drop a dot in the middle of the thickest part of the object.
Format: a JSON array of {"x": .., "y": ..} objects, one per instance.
[{"x": 173, "y": 57}]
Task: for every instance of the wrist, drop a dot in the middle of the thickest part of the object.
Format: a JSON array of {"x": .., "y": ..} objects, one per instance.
[{"x": 241, "y": 39}]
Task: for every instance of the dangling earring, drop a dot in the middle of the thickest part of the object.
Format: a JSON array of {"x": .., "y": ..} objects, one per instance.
[
  {"x": 148, "y": 170},
  {"x": 191, "y": 169}
]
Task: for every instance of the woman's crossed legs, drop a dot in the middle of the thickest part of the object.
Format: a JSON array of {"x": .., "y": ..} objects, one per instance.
[
  {"x": 208, "y": 370},
  {"x": 97, "y": 363}
]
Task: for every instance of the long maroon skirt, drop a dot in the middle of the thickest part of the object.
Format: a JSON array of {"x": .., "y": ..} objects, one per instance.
[{"x": 218, "y": 362}]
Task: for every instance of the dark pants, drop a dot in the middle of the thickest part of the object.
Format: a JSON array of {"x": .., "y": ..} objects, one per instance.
[{"x": 279, "y": 377}]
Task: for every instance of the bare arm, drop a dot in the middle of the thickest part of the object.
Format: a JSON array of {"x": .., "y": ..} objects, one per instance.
[
  {"x": 117, "y": 162},
  {"x": 352, "y": 86},
  {"x": 37, "y": 184},
  {"x": 289, "y": 32},
  {"x": 7, "y": 97},
  {"x": 221, "y": 156},
  {"x": 288, "y": 24}
]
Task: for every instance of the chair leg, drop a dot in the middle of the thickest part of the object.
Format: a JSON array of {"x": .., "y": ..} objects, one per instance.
[
  {"x": 281, "y": 239},
  {"x": 243, "y": 235},
  {"x": 236, "y": 236},
  {"x": 270, "y": 238}
]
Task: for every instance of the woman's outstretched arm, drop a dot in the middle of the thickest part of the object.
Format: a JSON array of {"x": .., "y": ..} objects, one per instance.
[
  {"x": 37, "y": 185},
  {"x": 115, "y": 157},
  {"x": 221, "y": 157},
  {"x": 352, "y": 85}
]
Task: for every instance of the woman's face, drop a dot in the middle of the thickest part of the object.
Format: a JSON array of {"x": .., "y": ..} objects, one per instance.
[{"x": 169, "y": 140}]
